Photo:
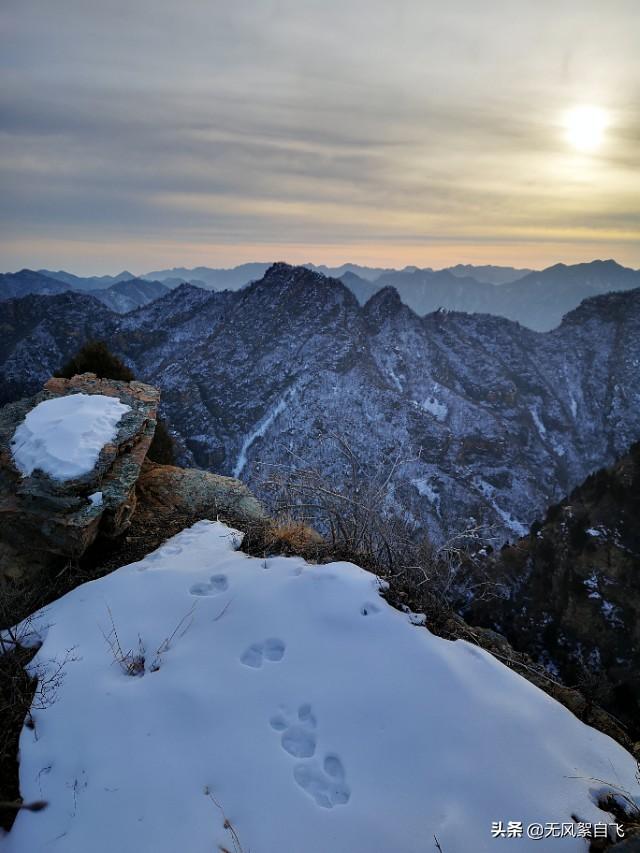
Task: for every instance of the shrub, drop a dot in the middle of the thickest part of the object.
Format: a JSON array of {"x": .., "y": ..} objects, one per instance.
[{"x": 95, "y": 357}]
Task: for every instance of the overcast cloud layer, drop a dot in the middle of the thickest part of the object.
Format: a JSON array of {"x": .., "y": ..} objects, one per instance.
[{"x": 149, "y": 133}]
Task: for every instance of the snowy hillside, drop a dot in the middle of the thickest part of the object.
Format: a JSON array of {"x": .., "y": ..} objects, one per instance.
[{"x": 291, "y": 701}]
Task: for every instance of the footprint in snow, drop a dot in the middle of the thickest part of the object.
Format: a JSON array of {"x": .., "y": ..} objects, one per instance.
[
  {"x": 271, "y": 650},
  {"x": 369, "y": 609},
  {"x": 215, "y": 585},
  {"x": 324, "y": 781}
]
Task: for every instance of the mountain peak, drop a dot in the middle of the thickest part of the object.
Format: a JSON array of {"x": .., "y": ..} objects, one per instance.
[{"x": 384, "y": 304}]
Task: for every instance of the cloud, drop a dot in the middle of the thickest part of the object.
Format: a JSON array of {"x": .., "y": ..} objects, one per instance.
[{"x": 314, "y": 123}]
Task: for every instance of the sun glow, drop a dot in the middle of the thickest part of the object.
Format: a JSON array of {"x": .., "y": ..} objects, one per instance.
[{"x": 585, "y": 127}]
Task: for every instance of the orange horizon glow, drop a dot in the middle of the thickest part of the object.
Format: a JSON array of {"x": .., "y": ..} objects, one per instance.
[{"x": 89, "y": 258}]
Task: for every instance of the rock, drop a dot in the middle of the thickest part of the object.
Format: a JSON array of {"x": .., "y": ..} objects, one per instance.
[
  {"x": 42, "y": 519},
  {"x": 164, "y": 490}
]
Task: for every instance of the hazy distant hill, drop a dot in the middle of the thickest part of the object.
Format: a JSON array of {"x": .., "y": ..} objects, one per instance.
[
  {"x": 125, "y": 296},
  {"x": 121, "y": 296},
  {"x": 214, "y": 279},
  {"x": 362, "y": 289},
  {"x": 87, "y": 283},
  {"x": 22, "y": 283},
  {"x": 538, "y": 300},
  {"x": 428, "y": 290},
  {"x": 490, "y": 274},
  {"x": 366, "y": 273}
]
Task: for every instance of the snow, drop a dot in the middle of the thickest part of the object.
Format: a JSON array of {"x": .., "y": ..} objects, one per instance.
[
  {"x": 538, "y": 422},
  {"x": 394, "y": 378},
  {"x": 593, "y": 585},
  {"x": 96, "y": 499},
  {"x": 423, "y": 487},
  {"x": 436, "y": 408},
  {"x": 612, "y": 614},
  {"x": 63, "y": 436},
  {"x": 488, "y": 492},
  {"x": 291, "y": 700},
  {"x": 258, "y": 432}
]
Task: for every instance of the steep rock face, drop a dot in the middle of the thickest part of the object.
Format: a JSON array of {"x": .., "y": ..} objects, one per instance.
[
  {"x": 575, "y": 588},
  {"x": 491, "y": 421},
  {"x": 50, "y": 518}
]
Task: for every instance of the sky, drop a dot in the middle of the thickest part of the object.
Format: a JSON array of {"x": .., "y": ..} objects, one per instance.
[{"x": 147, "y": 133}]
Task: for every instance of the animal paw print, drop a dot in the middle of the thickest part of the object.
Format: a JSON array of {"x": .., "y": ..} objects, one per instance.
[
  {"x": 271, "y": 650},
  {"x": 324, "y": 781},
  {"x": 214, "y": 586}
]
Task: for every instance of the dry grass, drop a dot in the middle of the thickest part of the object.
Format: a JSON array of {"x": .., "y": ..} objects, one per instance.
[
  {"x": 293, "y": 537},
  {"x": 235, "y": 840}
]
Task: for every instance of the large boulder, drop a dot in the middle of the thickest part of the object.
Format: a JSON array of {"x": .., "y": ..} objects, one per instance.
[
  {"x": 42, "y": 518},
  {"x": 164, "y": 490}
]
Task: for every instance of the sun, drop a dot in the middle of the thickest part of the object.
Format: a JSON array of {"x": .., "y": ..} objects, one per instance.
[{"x": 585, "y": 127}]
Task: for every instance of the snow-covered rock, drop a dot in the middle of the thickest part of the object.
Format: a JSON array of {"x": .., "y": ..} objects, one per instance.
[
  {"x": 64, "y": 436},
  {"x": 289, "y": 704}
]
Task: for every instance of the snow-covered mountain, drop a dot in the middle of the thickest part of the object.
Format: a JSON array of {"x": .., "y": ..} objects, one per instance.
[
  {"x": 489, "y": 273},
  {"x": 495, "y": 421}
]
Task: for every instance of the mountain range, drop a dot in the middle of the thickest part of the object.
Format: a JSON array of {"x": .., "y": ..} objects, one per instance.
[
  {"x": 537, "y": 300},
  {"x": 492, "y": 421},
  {"x": 121, "y": 293}
]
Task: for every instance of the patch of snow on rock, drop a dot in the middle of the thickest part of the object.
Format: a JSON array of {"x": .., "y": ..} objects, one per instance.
[
  {"x": 63, "y": 436},
  {"x": 435, "y": 407},
  {"x": 424, "y": 488},
  {"x": 542, "y": 430}
]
